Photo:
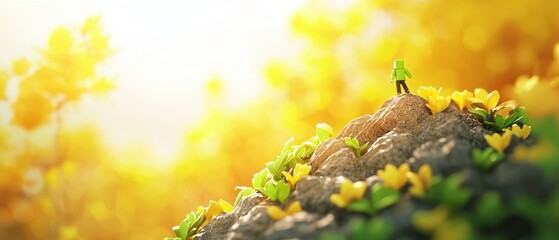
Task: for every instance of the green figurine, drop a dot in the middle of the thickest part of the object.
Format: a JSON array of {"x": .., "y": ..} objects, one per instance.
[{"x": 399, "y": 74}]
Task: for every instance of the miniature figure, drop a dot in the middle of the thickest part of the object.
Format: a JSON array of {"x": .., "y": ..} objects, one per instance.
[{"x": 399, "y": 74}]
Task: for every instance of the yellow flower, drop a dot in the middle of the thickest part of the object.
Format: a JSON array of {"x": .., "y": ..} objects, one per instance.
[
  {"x": 530, "y": 91},
  {"x": 426, "y": 92},
  {"x": 455, "y": 228},
  {"x": 393, "y": 177},
  {"x": 485, "y": 100},
  {"x": 533, "y": 153},
  {"x": 429, "y": 221},
  {"x": 300, "y": 171},
  {"x": 21, "y": 66},
  {"x": 4, "y": 78},
  {"x": 61, "y": 40},
  {"x": 349, "y": 192},
  {"x": 420, "y": 181},
  {"x": 504, "y": 108},
  {"x": 462, "y": 98},
  {"x": 499, "y": 142},
  {"x": 523, "y": 132},
  {"x": 437, "y": 104},
  {"x": 214, "y": 209},
  {"x": 277, "y": 213}
]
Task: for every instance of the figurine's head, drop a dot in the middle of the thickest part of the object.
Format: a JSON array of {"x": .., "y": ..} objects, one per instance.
[{"x": 399, "y": 63}]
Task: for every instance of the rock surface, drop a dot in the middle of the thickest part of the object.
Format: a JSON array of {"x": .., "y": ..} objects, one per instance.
[{"x": 403, "y": 130}]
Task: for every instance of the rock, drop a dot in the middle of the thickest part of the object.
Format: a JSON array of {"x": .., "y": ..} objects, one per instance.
[
  {"x": 400, "y": 145},
  {"x": 314, "y": 192},
  {"x": 343, "y": 163},
  {"x": 251, "y": 225},
  {"x": 220, "y": 226},
  {"x": 445, "y": 156},
  {"x": 325, "y": 150},
  {"x": 403, "y": 130},
  {"x": 404, "y": 111}
]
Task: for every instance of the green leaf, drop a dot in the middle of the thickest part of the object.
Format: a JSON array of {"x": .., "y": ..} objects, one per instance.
[
  {"x": 489, "y": 210},
  {"x": 283, "y": 190},
  {"x": 323, "y": 132},
  {"x": 362, "y": 206},
  {"x": 376, "y": 228},
  {"x": 244, "y": 191},
  {"x": 277, "y": 191},
  {"x": 487, "y": 158},
  {"x": 449, "y": 192},
  {"x": 354, "y": 144},
  {"x": 259, "y": 179},
  {"x": 479, "y": 113},
  {"x": 383, "y": 197}
]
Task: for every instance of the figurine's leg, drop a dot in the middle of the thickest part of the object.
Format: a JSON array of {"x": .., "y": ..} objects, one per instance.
[
  {"x": 398, "y": 90},
  {"x": 406, "y": 87}
]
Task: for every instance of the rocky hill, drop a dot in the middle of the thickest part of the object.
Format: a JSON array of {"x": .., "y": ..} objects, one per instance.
[{"x": 463, "y": 200}]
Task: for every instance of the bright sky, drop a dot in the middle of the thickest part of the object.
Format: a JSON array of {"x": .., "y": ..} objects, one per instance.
[{"x": 166, "y": 52}]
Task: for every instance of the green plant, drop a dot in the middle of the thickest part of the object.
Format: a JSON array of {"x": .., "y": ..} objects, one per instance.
[
  {"x": 244, "y": 191},
  {"x": 380, "y": 198},
  {"x": 354, "y": 143},
  {"x": 275, "y": 190},
  {"x": 190, "y": 225},
  {"x": 499, "y": 122},
  {"x": 490, "y": 209},
  {"x": 449, "y": 191},
  {"x": 376, "y": 228},
  {"x": 291, "y": 155},
  {"x": 485, "y": 159},
  {"x": 323, "y": 132}
]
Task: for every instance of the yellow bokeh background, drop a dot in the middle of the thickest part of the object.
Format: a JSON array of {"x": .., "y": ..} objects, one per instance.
[{"x": 67, "y": 183}]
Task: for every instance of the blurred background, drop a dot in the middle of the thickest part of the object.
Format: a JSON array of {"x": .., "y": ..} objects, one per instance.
[{"x": 117, "y": 118}]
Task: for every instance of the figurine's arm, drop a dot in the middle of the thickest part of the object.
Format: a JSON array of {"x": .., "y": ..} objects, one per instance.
[
  {"x": 393, "y": 75},
  {"x": 408, "y": 73}
]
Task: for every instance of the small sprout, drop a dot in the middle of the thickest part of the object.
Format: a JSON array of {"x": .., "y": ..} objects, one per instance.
[
  {"x": 260, "y": 179},
  {"x": 437, "y": 104},
  {"x": 324, "y": 132},
  {"x": 376, "y": 228},
  {"x": 393, "y": 177},
  {"x": 499, "y": 142},
  {"x": 354, "y": 143},
  {"x": 426, "y": 92},
  {"x": 487, "y": 158},
  {"x": 244, "y": 191},
  {"x": 449, "y": 192},
  {"x": 380, "y": 198},
  {"x": 420, "y": 181},
  {"x": 521, "y": 133},
  {"x": 484, "y": 100},
  {"x": 276, "y": 213},
  {"x": 277, "y": 190},
  {"x": 500, "y": 122},
  {"x": 349, "y": 191},
  {"x": 428, "y": 221},
  {"x": 462, "y": 98},
  {"x": 191, "y": 224},
  {"x": 489, "y": 209},
  {"x": 300, "y": 171}
]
